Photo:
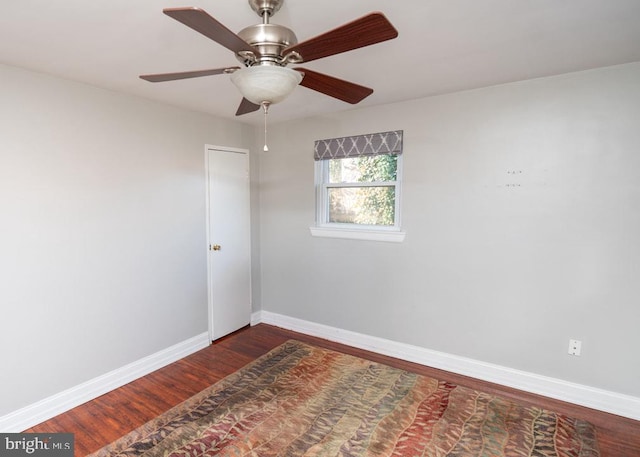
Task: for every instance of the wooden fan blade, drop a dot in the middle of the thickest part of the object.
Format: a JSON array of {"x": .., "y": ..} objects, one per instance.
[
  {"x": 337, "y": 88},
  {"x": 160, "y": 77},
  {"x": 370, "y": 29},
  {"x": 200, "y": 21},
  {"x": 246, "y": 107}
]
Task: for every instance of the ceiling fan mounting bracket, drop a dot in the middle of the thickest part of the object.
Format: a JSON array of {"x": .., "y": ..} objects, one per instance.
[{"x": 270, "y": 7}]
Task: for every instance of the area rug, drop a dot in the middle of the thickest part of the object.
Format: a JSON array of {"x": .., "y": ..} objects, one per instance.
[{"x": 301, "y": 400}]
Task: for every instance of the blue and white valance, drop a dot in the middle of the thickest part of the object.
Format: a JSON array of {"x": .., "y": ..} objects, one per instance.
[{"x": 360, "y": 145}]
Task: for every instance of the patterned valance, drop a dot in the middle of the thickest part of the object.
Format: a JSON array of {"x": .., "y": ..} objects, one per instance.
[{"x": 360, "y": 145}]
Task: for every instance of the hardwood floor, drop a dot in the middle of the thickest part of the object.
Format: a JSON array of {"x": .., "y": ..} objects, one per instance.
[{"x": 114, "y": 414}]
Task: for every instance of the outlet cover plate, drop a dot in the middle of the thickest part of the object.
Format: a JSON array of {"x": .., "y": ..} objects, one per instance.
[{"x": 575, "y": 347}]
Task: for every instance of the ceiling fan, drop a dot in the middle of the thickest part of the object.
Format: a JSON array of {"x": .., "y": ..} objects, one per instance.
[{"x": 266, "y": 49}]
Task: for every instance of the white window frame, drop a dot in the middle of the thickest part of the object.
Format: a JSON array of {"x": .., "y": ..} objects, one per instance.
[{"x": 324, "y": 228}]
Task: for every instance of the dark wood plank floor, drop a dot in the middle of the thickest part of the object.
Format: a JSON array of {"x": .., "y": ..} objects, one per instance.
[{"x": 112, "y": 415}]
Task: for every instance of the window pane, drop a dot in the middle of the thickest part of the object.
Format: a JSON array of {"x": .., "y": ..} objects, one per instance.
[
  {"x": 362, "y": 205},
  {"x": 364, "y": 169}
]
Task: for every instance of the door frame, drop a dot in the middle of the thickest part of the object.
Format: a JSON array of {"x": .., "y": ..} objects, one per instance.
[{"x": 209, "y": 241}]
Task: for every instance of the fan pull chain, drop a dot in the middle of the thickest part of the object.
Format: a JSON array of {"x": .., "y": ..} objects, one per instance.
[{"x": 265, "y": 106}]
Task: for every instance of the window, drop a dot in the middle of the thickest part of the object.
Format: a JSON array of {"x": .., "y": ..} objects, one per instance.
[{"x": 358, "y": 182}]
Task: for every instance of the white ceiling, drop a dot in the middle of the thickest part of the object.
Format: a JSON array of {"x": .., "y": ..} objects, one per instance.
[{"x": 443, "y": 46}]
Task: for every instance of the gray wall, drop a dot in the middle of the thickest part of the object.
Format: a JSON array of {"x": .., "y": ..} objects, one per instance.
[
  {"x": 102, "y": 232},
  {"x": 102, "y": 229},
  {"x": 497, "y": 266}
]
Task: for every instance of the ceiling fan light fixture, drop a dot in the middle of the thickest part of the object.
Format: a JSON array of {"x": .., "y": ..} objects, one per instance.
[{"x": 266, "y": 83}]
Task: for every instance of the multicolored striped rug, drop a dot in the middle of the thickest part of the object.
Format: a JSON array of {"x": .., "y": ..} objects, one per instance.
[{"x": 300, "y": 400}]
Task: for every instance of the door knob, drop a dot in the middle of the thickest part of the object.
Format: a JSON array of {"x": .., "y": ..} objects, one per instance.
[{"x": 216, "y": 247}]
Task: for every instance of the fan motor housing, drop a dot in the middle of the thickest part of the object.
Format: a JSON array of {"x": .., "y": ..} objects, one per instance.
[{"x": 269, "y": 39}]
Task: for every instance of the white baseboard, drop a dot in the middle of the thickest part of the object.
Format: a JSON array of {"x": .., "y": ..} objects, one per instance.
[
  {"x": 47, "y": 408},
  {"x": 602, "y": 400}
]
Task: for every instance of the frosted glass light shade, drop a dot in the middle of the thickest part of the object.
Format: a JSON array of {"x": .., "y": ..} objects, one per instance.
[{"x": 266, "y": 83}]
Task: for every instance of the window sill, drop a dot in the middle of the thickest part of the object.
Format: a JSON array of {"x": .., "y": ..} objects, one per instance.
[{"x": 393, "y": 236}]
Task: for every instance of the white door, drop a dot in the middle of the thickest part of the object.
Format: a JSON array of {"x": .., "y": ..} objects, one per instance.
[{"x": 229, "y": 238}]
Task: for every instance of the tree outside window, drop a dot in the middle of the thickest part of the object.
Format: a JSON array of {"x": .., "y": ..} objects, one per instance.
[{"x": 370, "y": 197}]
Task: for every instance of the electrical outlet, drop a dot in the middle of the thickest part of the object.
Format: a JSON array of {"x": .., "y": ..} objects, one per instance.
[{"x": 575, "y": 346}]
